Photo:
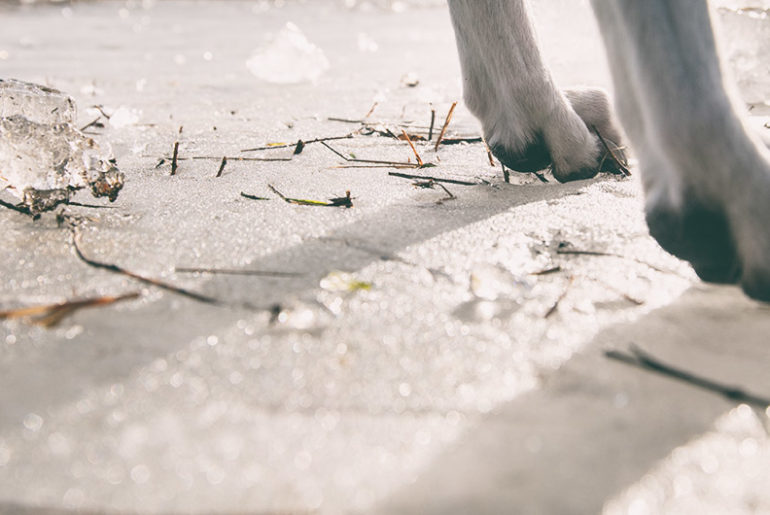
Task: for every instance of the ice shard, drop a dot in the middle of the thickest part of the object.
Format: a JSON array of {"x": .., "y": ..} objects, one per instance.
[{"x": 43, "y": 157}]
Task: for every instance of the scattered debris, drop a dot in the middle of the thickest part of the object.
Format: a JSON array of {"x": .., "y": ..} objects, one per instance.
[
  {"x": 416, "y": 154},
  {"x": 410, "y": 80},
  {"x": 563, "y": 295},
  {"x": 343, "y": 282},
  {"x": 303, "y": 143},
  {"x": 231, "y": 271},
  {"x": 621, "y": 163},
  {"x": 175, "y": 155},
  {"x": 641, "y": 359},
  {"x": 222, "y": 167},
  {"x": 547, "y": 271},
  {"x": 563, "y": 250},
  {"x": 154, "y": 282},
  {"x": 446, "y": 124},
  {"x": 346, "y": 201},
  {"x": 434, "y": 179},
  {"x": 431, "y": 184},
  {"x": 253, "y": 197},
  {"x": 388, "y": 164},
  {"x": 51, "y": 314}
]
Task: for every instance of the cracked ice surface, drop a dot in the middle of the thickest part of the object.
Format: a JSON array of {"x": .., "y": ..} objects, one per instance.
[{"x": 43, "y": 158}]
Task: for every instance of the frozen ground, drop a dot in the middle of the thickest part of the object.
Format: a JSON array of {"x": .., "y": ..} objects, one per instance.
[{"x": 441, "y": 387}]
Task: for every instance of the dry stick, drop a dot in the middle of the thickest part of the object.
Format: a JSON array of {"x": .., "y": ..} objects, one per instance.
[
  {"x": 555, "y": 306},
  {"x": 21, "y": 208},
  {"x": 451, "y": 195},
  {"x": 222, "y": 166},
  {"x": 91, "y": 123},
  {"x": 371, "y": 161},
  {"x": 618, "y": 162},
  {"x": 547, "y": 271},
  {"x": 154, "y": 282},
  {"x": 228, "y": 271},
  {"x": 305, "y": 142},
  {"x": 371, "y": 111},
  {"x": 489, "y": 155},
  {"x": 408, "y": 140},
  {"x": 641, "y": 359},
  {"x": 611, "y": 254},
  {"x": 345, "y": 201},
  {"x": 236, "y": 158},
  {"x": 253, "y": 197},
  {"x": 446, "y": 124},
  {"x": 51, "y": 314},
  {"x": 174, "y": 158},
  {"x": 432, "y": 122},
  {"x": 430, "y": 178}
]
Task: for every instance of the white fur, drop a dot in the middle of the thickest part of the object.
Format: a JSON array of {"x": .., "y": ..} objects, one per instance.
[{"x": 677, "y": 108}]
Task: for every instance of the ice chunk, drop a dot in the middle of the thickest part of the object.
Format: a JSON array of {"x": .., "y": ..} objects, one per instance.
[
  {"x": 288, "y": 59},
  {"x": 43, "y": 157},
  {"x": 493, "y": 282},
  {"x": 746, "y": 45},
  {"x": 37, "y": 103}
]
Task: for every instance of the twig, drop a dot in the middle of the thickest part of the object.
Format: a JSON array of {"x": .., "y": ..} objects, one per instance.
[
  {"x": 154, "y": 282},
  {"x": 228, "y": 271},
  {"x": 174, "y": 158},
  {"x": 371, "y": 161},
  {"x": 621, "y": 166},
  {"x": 222, "y": 166},
  {"x": 430, "y": 178},
  {"x": 506, "y": 174},
  {"x": 555, "y": 306},
  {"x": 304, "y": 142},
  {"x": 346, "y": 201},
  {"x": 446, "y": 124},
  {"x": 489, "y": 155},
  {"x": 253, "y": 197},
  {"x": 51, "y": 314},
  {"x": 577, "y": 252},
  {"x": 90, "y": 206},
  {"x": 371, "y": 111},
  {"x": 432, "y": 122},
  {"x": 92, "y": 123},
  {"x": 641, "y": 359},
  {"x": 19, "y": 208},
  {"x": 547, "y": 271},
  {"x": 416, "y": 154}
]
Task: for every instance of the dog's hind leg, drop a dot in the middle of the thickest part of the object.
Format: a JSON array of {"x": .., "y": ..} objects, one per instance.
[
  {"x": 706, "y": 177},
  {"x": 528, "y": 122}
]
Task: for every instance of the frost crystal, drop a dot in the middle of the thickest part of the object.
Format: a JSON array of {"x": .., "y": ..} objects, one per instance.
[{"x": 43, "y": 158}]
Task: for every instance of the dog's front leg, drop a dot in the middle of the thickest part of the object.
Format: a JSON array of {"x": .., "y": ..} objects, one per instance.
[{"x": 528, "y": 122}]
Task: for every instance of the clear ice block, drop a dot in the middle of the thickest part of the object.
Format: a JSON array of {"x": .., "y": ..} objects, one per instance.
[
  {"x": 288, "y": 59},
  {"x": 43, "y": 157}
]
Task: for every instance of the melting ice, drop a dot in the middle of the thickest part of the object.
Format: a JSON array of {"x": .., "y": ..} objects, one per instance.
[
  {"x": 288, "y": 59},
  {"x": 43, "y": 157}
]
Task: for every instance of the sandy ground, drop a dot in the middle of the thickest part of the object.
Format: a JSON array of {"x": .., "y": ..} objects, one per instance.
[{"x": 442, "y": 375}]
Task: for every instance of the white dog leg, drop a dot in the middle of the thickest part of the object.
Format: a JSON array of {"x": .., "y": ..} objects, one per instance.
[
  {"x": 528, "y": 123},
  {"x": 707, "y": 178}
]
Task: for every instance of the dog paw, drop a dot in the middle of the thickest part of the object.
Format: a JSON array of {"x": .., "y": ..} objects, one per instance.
[
  {"x": 577, "y": 140},
  {"x": 725, "y": 242}
]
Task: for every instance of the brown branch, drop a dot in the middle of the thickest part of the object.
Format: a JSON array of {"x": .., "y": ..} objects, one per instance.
[
  {"x": 641, "y": 359},
  {"x": 51, "y": 314},
  {"x": 147, "y": 280},
  {"x": 446, "y": 124}
]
